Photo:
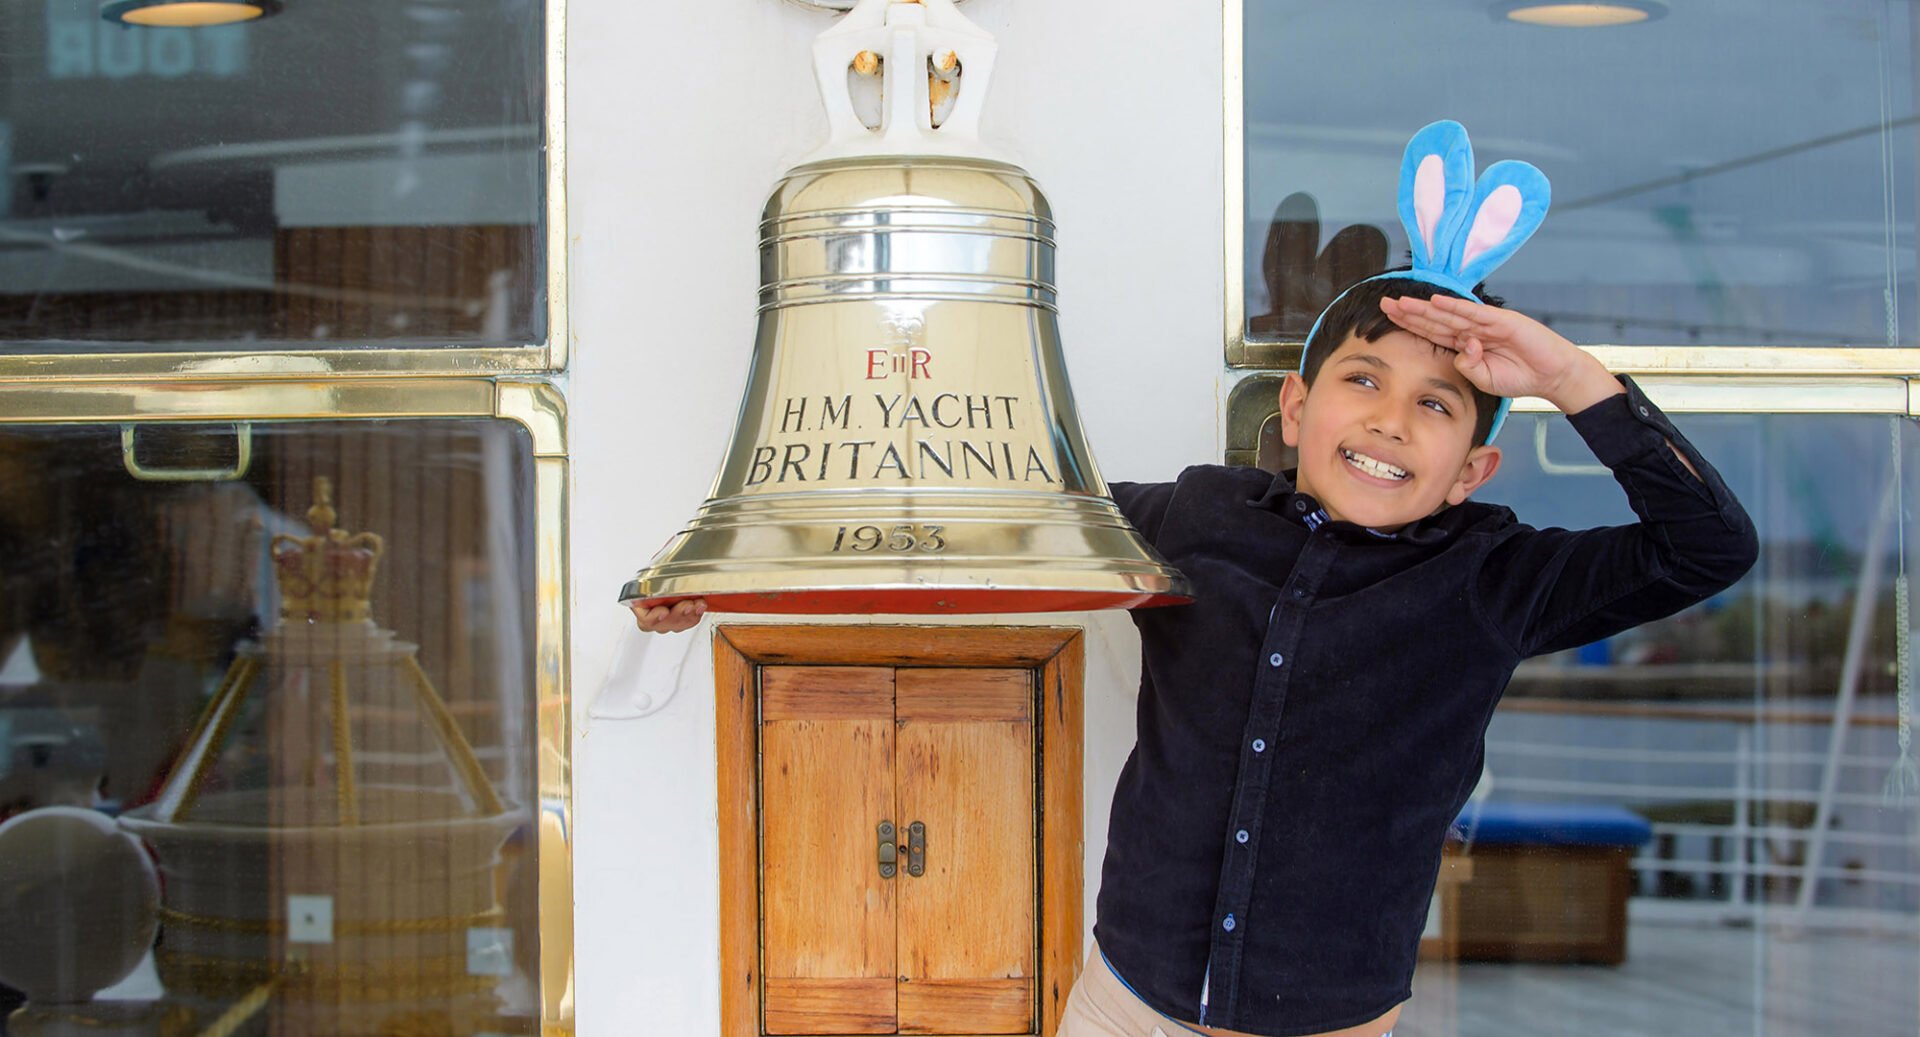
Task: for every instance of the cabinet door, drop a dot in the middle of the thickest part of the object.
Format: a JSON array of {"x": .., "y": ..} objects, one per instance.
[
  {"x": 827, "y": 731},
  {"x": 965, "y": 772},
  {"x": 826, "y": 772}
]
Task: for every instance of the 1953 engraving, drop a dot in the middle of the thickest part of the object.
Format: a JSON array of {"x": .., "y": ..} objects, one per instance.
[{"x": 901, "y": 539}]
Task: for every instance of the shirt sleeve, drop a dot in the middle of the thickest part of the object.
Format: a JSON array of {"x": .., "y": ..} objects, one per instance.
[
  {"x": 1143, "y": 504},
  {"x": 1551, "y": 589}
]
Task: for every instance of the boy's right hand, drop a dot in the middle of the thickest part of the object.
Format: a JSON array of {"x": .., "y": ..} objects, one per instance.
[
  {"x": 662, "y": 619},
  {"x": 1505, "y": 352}
]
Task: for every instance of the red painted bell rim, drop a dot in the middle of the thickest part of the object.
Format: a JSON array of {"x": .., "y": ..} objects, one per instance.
[{"x": 923, "y": 601}]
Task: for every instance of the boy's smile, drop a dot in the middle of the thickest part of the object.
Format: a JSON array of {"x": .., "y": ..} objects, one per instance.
[{"x": 1385, "y": 434}]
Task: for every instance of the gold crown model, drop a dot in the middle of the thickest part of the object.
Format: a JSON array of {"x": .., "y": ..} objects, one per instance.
[{"x": 326, "y": 577}]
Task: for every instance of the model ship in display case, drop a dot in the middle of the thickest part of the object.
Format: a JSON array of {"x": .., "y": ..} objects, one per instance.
[{"x": 330, "y": 843}]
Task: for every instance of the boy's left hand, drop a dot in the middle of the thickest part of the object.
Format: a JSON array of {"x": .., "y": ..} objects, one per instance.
[{"x": 1506, "y": 352}]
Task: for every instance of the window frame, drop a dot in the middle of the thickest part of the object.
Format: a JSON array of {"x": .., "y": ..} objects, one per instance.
[
  {"x": 537, "y": 406},
  {"x": 306, "y": 361},
  {"x": 312, "y": 382},
  {"x": 1682, "y": 379},
  {"x": 1849, "y": 362}
]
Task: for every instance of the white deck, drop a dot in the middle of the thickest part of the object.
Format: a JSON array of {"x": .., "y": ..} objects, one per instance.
[{"x": 1686, "y": 980}]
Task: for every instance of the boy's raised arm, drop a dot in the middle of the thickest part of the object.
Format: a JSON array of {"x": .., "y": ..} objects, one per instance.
[
  {"x": 1546, "y": 590},
  {"x": 1507, "y": 353},
  {"x": 1552, "y": 589}
]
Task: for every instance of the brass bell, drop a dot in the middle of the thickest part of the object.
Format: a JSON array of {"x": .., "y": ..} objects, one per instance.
[{"x": 907, "y": 442}]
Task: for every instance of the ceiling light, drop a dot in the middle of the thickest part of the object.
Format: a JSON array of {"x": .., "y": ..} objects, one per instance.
[
  {"x": 1578, "y": 16},
  {"x": 186, "y": 14}
]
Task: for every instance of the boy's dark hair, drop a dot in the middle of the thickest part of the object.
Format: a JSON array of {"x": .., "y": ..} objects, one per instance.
[{"x": 1358, "y": 313}]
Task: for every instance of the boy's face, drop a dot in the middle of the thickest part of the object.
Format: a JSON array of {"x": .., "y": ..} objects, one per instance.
[{"x": 1386, "y": 434}]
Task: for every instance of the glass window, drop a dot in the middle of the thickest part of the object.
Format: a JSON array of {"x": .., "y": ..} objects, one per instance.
[
  {"x": 323, "y": 739},
  {"x": 348, "y": 172},
  {"x": 1719, "y": 807},
  {"x": 1729, "y": 172}
]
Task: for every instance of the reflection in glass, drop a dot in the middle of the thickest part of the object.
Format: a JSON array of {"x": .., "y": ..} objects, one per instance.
[
  {"x": 1736, "y": 173},
  {"x": 325, "y": 738},
  {"x": 350, "y": 172},
  {"x": 1714, "y": 784},
  {"x": 1301, "y": 281}
]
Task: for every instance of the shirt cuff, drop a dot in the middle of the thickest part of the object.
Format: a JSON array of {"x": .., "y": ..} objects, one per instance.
[{"x": 1623, "y": 426}]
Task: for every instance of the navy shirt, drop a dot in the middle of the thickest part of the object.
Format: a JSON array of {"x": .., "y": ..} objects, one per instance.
[{"x": 1309, "y": 727}]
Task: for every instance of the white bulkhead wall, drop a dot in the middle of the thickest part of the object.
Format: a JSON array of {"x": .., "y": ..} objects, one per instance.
[{"x": 680, "y": 118}]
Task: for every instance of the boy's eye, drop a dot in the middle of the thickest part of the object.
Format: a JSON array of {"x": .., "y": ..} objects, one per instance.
[
  {"x": 1361, "y": 379},
  {"x": 1439, "y": 405}
]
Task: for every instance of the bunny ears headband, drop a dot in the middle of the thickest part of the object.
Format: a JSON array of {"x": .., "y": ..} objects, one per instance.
[{"x": 1460, "y": 229}]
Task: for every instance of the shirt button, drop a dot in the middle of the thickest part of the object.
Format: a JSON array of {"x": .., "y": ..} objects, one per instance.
[
  {"x": 1227, "y": 923},
  {"x": 1644, "y": 412},
  {"x": 1276, "y": 658},
  {"x": 1300, "y": 592},
  {"x": 1240, "y": 837},
  {"x": 1299, "y": 505},
  {"x": 1259, "y": 745}
]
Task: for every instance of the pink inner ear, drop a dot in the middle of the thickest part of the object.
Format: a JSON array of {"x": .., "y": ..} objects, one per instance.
[
  {"x": 1491, "y": 225},
  {"x": 1429, "y": 197}
]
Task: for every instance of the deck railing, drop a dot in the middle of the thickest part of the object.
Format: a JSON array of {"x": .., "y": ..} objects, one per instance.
[{"x": 1757, "y": 841}]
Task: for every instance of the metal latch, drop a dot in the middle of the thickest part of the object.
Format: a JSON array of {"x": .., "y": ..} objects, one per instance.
[
  {"x": 916, "y": 849},
  {"x": 889, "y": 856}
]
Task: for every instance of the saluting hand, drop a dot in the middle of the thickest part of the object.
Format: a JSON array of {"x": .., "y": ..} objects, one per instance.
[{"x": 1506, "y": 352}]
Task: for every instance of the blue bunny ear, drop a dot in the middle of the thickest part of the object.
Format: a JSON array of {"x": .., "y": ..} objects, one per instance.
[
  {"x": 1508, "y": 204},
  {"x": 1436, "y": 189}
]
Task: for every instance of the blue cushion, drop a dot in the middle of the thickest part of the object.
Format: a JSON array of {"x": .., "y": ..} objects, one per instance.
[{"x": 1551, "y": 824}]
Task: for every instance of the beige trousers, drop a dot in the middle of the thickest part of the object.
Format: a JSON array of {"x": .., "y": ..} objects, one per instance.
[{"x": 1102, "y": 1006}]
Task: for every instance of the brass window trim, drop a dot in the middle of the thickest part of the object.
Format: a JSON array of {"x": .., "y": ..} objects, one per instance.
[
  {"x": 1253, "y": 400},
  {"x": 1846, "y": 362},
  {"x": 359, "y": 361},
  {"x": 537, "y": 406}
]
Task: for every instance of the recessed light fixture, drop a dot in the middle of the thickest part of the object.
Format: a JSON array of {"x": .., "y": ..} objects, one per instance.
[
  {"x": 1579, "y": 16},
  {"x": 186, "y": 14}
]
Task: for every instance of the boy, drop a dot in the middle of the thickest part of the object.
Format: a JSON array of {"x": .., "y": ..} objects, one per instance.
[{"x": 1274, "y": 841}]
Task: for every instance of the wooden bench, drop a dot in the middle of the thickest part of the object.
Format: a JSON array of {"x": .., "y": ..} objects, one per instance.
[{"x": 1550, "y": 882}]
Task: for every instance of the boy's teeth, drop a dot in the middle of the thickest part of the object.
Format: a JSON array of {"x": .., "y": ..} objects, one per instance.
[{"x": 1373, "y": 467}]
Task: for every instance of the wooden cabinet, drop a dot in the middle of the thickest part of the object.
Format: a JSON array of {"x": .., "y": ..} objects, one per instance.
[{"x": 900, "y": 829}]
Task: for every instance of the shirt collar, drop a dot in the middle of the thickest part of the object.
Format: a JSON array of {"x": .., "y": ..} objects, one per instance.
[{"x": 1303, "y": 510}]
